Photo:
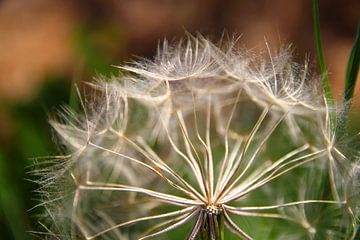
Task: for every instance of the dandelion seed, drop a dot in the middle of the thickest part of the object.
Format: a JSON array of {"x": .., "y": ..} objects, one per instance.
[{"x": 202, "y": 136}]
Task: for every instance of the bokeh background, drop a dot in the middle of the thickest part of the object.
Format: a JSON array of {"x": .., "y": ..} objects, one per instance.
[{"x": 47, "y": 46}]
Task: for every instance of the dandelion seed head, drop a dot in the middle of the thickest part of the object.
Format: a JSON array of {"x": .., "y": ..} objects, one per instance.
[{"x": 201, "y": 132}]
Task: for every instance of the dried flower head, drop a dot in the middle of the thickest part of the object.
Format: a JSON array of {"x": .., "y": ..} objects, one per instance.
[{"x": 206, "y": 135}]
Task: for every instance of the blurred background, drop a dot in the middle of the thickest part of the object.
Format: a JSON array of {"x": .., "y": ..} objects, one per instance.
[{"x": 48, "y": 45}]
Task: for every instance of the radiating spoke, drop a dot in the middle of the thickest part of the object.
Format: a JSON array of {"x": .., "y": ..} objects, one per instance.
[
  {"x": 261, "y": 215},
  {"x": 209, "y": 154},
  {"x": 175, "y": 200},
  {"x": 225, "y": 160},
  {"x": 180, "y": 153},
  {"x": 270, "y": 207},
  {"x": 189, "y": 146},
  {"x": 207, "y": 187},
  {"x": 196, "y": 227},
  {"x": 155, "y": 170},
  {"x": 171, "y": 227},
  {"x": 147, "y": 152},
  {"x": 262, "y": 172},
  {"x": 234, "y": 228},
  {"x": 141, "y": 219},
  {"x": 237, "y": 164},
  {"x": 257, "y": 150},
  {"x": 273, "y": 175}
]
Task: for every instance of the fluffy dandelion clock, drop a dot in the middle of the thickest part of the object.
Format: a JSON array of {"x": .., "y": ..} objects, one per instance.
[{"x": 204, "y": 142}]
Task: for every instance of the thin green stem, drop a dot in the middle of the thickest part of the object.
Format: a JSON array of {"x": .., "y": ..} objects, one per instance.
[
  {"x": 211, "y": 226},
  {"x": 352, "y": 71},
  {"x": 320, "y": 55},
  {"x": 220, "y": 226}
]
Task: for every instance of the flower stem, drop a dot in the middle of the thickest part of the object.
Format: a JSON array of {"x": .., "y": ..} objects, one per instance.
[{"x": 212, "y": 230}]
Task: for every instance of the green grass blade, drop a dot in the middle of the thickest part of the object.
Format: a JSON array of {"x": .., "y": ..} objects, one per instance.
[
  {"x": 352, "y": 68},
  {"x": 352, "y": 71},
  {"x": 320, "y": 55}
]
